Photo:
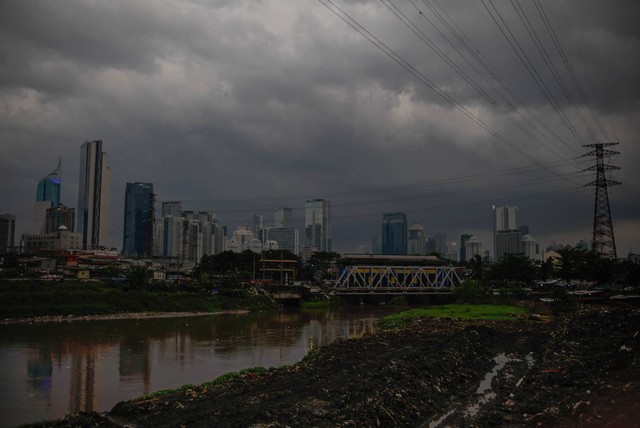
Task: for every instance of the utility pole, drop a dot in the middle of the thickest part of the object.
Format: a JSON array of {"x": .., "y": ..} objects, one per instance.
[{"x": 604, "y": 244}]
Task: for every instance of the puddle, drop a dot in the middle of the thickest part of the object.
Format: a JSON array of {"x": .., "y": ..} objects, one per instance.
[
  {"x": 484, "y": 392},
  {"x": 437, "y": 422}
]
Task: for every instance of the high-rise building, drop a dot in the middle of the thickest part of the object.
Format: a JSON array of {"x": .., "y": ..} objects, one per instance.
[
  {"x": 508, "y": 242},
  {"x": 173, "y": 208},
  {"x": 394, "y": 233},
  {"x": 40, "y": 216},
  {"x": 47, "y": 196},
  {"x": 49, "y": 187},
  {"x": 7, "y": 232},
  {"x": 317, "y": 224},
  {"x": 529, "y": 247},
  {"x": 61, "y": 215},
  {"x": 463, "y": 246},
  {"x": 438, "y": 244},
  {"x": 417, "y": 243},
  {"x": 473, "y": 247},
  {"x": 258, "y": 225},
  {"x": 93, "y": 195},
  {"x": 240, "y": 239},
  {"x": 138, "y": 219},
  {"x": 286, "y": 237},
  {"x": 284, "y": 217},
  {"x": 504, "y": 219}
]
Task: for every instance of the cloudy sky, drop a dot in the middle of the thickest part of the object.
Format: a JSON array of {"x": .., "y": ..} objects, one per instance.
[{"x": 435, "y": 108}]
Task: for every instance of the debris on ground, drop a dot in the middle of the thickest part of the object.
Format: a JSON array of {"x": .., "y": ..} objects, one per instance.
[{"x": 579, "y": 371}]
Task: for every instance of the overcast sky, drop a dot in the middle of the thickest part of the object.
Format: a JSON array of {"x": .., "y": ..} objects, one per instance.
[{"x": 243, "y": 106}]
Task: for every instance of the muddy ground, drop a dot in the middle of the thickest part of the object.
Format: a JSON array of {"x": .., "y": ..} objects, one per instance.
[{"x": 580, "y": 371}]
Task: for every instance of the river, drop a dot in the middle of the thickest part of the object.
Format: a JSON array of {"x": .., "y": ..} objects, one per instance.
[{"x": 51, "y": 369}]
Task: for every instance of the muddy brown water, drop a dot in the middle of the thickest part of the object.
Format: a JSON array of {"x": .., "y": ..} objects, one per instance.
[{"x": 50, "y": 369}]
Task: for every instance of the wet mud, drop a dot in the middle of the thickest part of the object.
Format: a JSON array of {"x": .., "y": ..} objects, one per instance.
[{"x": 579, "y": 371}]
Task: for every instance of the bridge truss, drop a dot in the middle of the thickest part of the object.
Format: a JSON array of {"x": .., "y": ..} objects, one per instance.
[{"x": 396, "y": 279}]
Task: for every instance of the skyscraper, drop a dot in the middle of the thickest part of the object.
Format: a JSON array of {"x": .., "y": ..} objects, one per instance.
[
  {"x": 473, "y": 247},
  {"x": 93, "y": 195},
  {"x": 317, "y": 224},
  {"x": 7, "y": 232},
  {"x": 440, "y": 243},
  {"x": 49, "y": 187},
  {"x": 61, "y": 215},
  {"x": 173, "y": 208},
  {"x": 286, "y": 237},
  {"x": 508, "y": 242},
  {"x": 417, "y": 241},
  {"x": 138, "y": 219},
  {"x": 284, "y": 217},
  {"x": 258, "y": 225},
  {"x": 463, "y": 247},
  {"x": 47, "y": 196},
  {"x": 394, "y": 233},
  {"x": 504, "y": 219}
]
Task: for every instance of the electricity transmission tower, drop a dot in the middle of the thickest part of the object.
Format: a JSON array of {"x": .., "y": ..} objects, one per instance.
[{"x": 604, "y": 243}]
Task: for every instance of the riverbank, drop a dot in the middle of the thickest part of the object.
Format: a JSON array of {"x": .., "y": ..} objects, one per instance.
[
  {"x": 118, "y": 316},
  {"x": 35, "y": 300},
  {"x": 582, "y": 370}
]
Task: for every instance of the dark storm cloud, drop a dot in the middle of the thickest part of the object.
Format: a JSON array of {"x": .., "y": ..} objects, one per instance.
[{"x": 268, "y": 103}]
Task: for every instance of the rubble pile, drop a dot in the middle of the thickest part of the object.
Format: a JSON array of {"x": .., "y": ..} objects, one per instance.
[{"x": 578, "y": 371}]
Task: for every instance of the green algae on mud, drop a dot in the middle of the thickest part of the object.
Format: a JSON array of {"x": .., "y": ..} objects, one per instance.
[
  {"x": 250, "y": 372},
  {"x": 454, "y": 311}
]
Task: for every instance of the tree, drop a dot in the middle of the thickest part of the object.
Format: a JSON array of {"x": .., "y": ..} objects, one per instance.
[
  {"x": 113, "y": 270},
  {"x": 513, "y": 267},
  {"x": 477, "y": 268},
  {"x": 545, "y": 269},
  {"x": 567, "y": 263},
  {"x": 137, "y": 277},
  {"x": 321, "y": 263}
]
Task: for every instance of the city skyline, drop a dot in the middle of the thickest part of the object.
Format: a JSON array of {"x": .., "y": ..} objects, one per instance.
[{"x": 241, "y": 108}]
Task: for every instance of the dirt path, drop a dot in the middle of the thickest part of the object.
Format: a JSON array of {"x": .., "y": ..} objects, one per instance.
[{"x": 581, "y": 371}]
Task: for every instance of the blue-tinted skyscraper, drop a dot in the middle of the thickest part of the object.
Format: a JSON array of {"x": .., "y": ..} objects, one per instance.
[
  {"x": 138, "y": 219},
  {"x": 47, "y": 196},
  {"x": 394, "y": 233},
  {"x": 49, "y": 187}
]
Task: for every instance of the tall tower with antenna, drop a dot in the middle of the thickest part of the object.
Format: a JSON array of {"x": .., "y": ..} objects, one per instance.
[{"x": 604, "y": 243}]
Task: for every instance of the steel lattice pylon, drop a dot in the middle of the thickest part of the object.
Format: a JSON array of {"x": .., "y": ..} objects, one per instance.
[{"x": 604, "y": 243}]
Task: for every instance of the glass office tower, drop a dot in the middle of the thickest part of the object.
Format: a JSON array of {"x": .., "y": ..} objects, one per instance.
[
  {"x": 394, "y": 233},
  {"x": 138, "y": 219}
]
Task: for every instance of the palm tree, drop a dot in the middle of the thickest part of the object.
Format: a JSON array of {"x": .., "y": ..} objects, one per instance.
[{"x": 477, "y": 268}]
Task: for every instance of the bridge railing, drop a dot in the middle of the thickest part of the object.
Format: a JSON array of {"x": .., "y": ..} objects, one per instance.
[{"x": 396, "y": 278}]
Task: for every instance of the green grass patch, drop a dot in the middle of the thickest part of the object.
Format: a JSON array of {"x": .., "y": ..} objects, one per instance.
[
  {"x": 323, "y": 303},
  {"x": 455, "y": 311},
  {"x": 316, "y": 304}
]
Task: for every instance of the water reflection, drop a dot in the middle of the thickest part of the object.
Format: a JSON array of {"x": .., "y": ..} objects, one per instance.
[{"x": 51, "y": 369}]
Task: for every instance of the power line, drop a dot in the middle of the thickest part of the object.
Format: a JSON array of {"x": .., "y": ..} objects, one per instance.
[
  {"x": 470, "y": 47},
  {"x": 529, "y": 67},
  {"x": 434, "y": 47},
  {"x": 341, "y": 14},
  {"x": 549, "y": 62},
  {"x": 568, "y": 65}
]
